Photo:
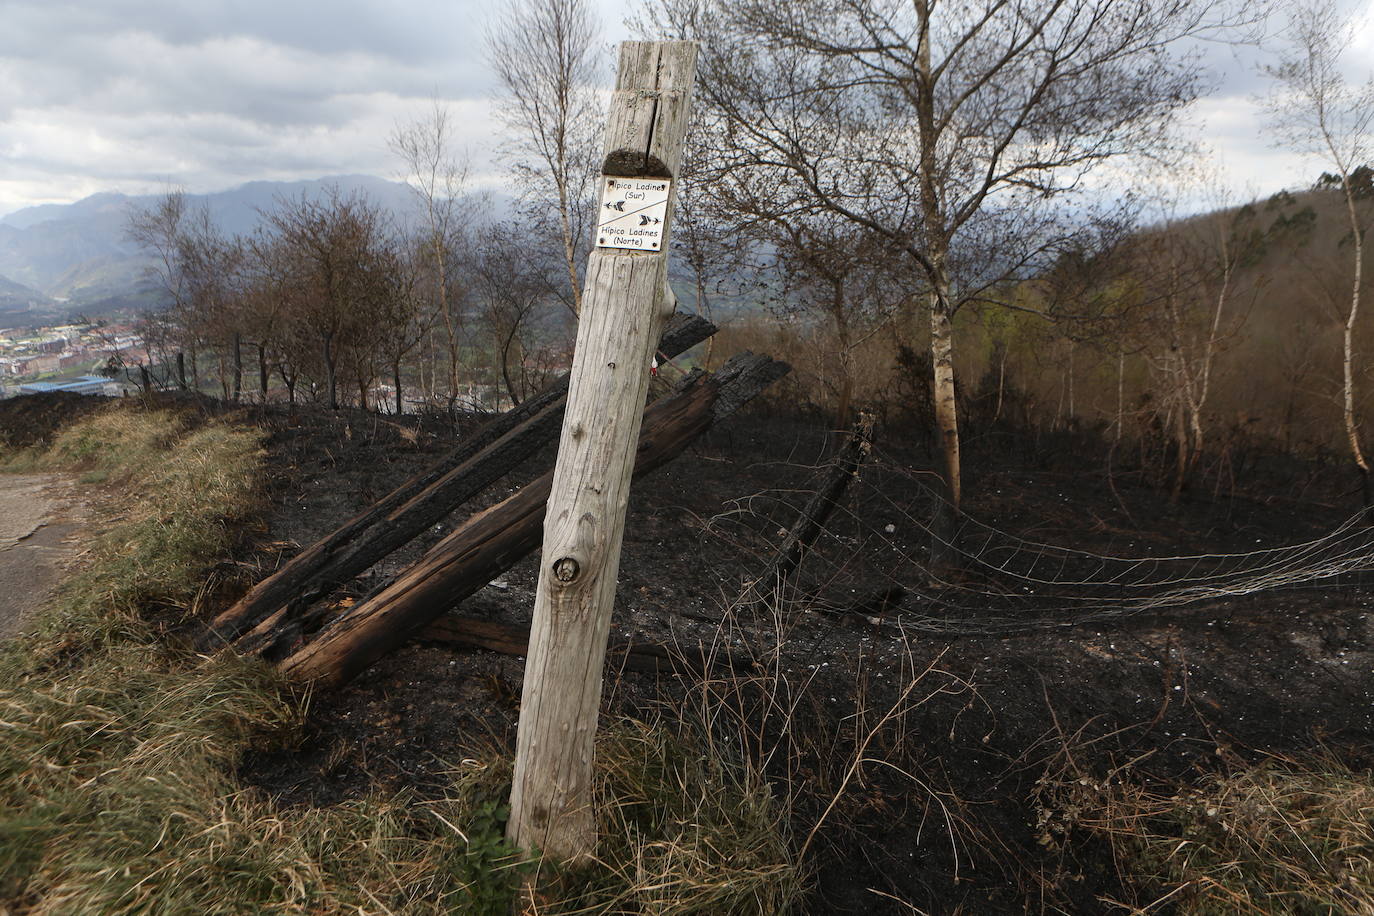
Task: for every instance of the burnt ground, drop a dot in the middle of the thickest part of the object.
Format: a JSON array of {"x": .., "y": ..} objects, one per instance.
[{"x": 1040, "y": 668}]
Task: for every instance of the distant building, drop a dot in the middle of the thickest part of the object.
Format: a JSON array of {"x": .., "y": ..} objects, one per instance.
[{"x": 87, "y": 384}]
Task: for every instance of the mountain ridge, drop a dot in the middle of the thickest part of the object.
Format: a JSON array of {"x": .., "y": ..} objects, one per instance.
[{"x": 76, "y": 257}]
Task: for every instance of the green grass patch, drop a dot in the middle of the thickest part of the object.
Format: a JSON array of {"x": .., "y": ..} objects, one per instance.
[{"x": 118, "y": 747}]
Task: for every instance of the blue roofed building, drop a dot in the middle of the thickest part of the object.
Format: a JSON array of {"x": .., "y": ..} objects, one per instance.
[{"x": 86, "y": 384}]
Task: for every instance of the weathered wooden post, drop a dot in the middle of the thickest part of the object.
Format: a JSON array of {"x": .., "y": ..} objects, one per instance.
[{"x": 623, "y": 309}]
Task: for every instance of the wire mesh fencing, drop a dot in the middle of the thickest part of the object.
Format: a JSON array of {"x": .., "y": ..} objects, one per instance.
[{"x": 882, "y": 556}]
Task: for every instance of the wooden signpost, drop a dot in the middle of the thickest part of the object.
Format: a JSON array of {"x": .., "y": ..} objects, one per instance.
[{"x": 623, "y": 310}]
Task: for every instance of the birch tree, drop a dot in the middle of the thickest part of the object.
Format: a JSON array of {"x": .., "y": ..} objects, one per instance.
[
  {"x": 1316, "y": 110},
  {"x": 543, "y": 55},
  {"x": 955, "y": 131},
  {"x": 1197, "y": 304},
  {"x": 437, "y": 173}
]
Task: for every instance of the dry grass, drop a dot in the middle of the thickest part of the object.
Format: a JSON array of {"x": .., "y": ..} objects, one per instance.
[
  {"x": 1285, "y": 836},
  {"x": 686, "y": 832}
]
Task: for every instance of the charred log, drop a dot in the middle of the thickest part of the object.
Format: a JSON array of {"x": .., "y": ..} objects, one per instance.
[
  {"x": 489, "y": 454},
  {"x": 494, "y": 540},
  {"x": 509, "y": 639}
]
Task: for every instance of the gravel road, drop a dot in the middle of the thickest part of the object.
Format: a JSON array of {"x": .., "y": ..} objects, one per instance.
[{"x": 41, "y": 516}]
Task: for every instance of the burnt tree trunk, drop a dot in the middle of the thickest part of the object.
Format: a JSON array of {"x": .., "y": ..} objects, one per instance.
[
  {"x": 425, "y": 499},
  {"x": 494, "y": 540}
]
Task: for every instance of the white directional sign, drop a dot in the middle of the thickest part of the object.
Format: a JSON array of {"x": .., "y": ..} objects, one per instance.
[{"x": 633, "y": 213}]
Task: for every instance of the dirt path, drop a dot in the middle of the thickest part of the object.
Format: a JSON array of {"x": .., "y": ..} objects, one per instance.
[{"x": 41, "y": 516}]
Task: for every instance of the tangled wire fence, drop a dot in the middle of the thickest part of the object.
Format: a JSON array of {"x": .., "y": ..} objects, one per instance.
[{"x": 873, "y": 559}]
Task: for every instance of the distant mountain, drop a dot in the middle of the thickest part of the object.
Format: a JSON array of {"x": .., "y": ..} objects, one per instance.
[
  {"x": 78, "y": 252},
  {"x": 21, "y": 305},
  {"x": 18, "y": 292}
]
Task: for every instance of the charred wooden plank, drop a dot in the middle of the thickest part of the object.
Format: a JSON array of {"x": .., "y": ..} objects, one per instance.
[
  {"x": 494, "y": 540},
  {"x": 490, "y": 453},
  {"x": 647, "y": 657}
]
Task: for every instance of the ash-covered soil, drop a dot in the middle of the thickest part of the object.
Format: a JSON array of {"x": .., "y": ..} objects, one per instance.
[
  {"x": 947, "y": 820},
  {"x": 1175, "y": 691}
]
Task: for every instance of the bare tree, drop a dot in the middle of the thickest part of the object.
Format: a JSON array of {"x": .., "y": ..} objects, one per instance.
[
  {"x": 1317, "y": 111},
  {"x": 836, "y": 269},
  {"x": 212, "y": 267},
  {"x": 338, "y": 263},
  {"x": 400, "y": 321},
  {"x": 953, "y": 131},
  {"x": 542, "y": 54},
  {"x": 201, "y": 270},
  {"x": 511, "y": 292},
  {"x": 438, "y": 174},
  {"x": 1189, "y": 272},
  {"x": 159, "y": 230},
  {"x": 709, "y": 237}
]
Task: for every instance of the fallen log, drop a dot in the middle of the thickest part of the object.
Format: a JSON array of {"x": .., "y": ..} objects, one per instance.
[
  {"x": 509, "y": 639},
  {"x": 494, "y": 540},
  {"x": 493, "y": 451}
]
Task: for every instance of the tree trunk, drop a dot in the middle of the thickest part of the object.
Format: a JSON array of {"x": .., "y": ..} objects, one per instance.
[
  {"x": 569, "y": 249},
  {"x": 1352, "y": 428},
  {"x": 934, "y": 264},
  {"x": 290, "y": 382},
  {"x": 494, "y": 540},
  {"x": 181, "y": 370},
  {"x": 944, "y": 525},
  {"x": 1000, "y": 350},
  {"x": 946, "y": 408},
  {"x": 331, "y": 376},
  {"x": 1182, "y": 456},
  {"x": 238, "y": 367},
  {"x": 846, "y": 355},
  {"x": 1120, "y": 395},
  {"x": 414, "y": 506},
  {"x": 263, "y": 372}
]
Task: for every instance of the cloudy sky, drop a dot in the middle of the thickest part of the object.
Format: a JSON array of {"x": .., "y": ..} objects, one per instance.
[{"x": 140, "y": 95}]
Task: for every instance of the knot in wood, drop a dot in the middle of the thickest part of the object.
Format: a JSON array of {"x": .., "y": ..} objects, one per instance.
[{"x": 566, "y": 569}]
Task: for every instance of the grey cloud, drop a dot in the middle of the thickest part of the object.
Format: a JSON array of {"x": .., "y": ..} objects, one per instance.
[
  {"x": 210, "y": 94},
  {"x": 413, "y": 30}
]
